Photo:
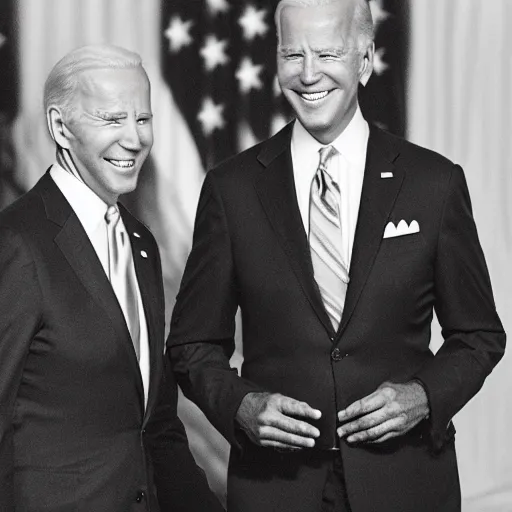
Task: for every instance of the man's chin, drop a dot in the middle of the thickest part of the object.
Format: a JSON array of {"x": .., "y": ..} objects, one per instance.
[{"x": 320, "y": 130}]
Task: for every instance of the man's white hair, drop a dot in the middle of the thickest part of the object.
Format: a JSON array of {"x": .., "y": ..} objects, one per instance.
[
  {"x": 62, "y": 82},
  {"x": 363, "y": 16}
]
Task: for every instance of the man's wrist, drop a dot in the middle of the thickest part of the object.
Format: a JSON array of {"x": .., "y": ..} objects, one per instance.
[{"x": 422, "y": 392}]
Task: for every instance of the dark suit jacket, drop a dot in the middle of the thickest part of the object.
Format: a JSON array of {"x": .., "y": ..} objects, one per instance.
[
  {"x": 74, "y": 435},
  {"x": 250, "y": 250}
]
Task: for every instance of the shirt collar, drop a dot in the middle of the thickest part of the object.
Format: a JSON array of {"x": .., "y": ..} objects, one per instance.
[
  {"x": 89, "y": 208},
  {"x": 351, "y": 142}
]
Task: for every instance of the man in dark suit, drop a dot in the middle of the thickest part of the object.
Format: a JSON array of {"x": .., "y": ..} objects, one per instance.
[
  {"x": 337, "y": 240},
  {"x": 83, "y": 425}
]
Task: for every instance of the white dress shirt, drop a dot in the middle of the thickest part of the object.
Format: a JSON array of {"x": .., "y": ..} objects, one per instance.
[
  {"x": 91, "y": 210},
  {"x": 346, "y": 167}
]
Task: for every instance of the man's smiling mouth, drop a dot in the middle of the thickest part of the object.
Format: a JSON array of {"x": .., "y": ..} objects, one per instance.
[
  {"x": 314, "y": 96},
  {"x": 123, "y": 164}
]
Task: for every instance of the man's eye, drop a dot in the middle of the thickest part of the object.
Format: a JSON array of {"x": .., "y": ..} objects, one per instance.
[
  {"x": 144, "y": 120},
  {"x": 293, "y": 56},
  {"x": 328, "y": 56}
]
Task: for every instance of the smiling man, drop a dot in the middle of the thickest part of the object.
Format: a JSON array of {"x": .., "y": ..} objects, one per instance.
[
  {"x": 88, "y": 415},
  {"x": 337, "y": 240}
]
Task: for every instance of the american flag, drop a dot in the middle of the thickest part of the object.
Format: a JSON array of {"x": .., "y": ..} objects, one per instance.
[
  {"x": 383, "y": 100},
  {"x": 219, "y": 61}
]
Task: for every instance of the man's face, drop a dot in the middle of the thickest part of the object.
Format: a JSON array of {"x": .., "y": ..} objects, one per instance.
[
  {"x": 319, "y": 66},
  {"x": 111, "y": 131}
]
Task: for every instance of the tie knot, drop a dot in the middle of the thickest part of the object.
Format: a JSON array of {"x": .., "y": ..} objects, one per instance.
[
  {"x": 112, "y": 215},
  {"x": 325, "y": 154}
]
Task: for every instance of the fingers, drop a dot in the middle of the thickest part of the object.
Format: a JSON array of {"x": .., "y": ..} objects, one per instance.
[
  {"x": 282, "y": 447},
  {"x": 277, "y": 421},
  {"x": 375, "y": 431},
  {"x": 290, "y": 406},
  {"x": 392, "y": 410},
  {"x": 273, "y": 436},
  {"x": 366, "y": 405},
  {"x": 274, "y": 420}
]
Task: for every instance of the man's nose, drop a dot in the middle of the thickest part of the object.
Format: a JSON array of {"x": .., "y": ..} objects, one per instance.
[
  {"x": 131, "y": 138},
  {"x": 310, "y": 72}
]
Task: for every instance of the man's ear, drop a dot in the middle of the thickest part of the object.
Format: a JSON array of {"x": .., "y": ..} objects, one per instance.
[
  {"x": 366, "y": 68},
  {"x": 58, "y": 129}
]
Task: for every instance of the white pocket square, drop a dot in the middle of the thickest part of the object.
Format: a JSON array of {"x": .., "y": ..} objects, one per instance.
[{"x": 402, "y": 229}]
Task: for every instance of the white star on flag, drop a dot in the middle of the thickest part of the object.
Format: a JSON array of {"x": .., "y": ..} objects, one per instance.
[
  {"x": 379, "y": 14},
  {"x": 214, "y": 52},
  {"x": 2, "y": 40},
  {"x": 211, "y": 116},
  {"x": 248, "y": 75},
  {"x": 379, "y": 65},
  {"x": 178, "y": 34},
  {"x": 253, "y": 23},
  {"x": 217, "y": 6}
]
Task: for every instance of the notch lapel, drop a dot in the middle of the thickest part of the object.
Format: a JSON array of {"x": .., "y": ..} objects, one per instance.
[
  {"x": 149, "y": 288},
  {"x": 276, "y": 191},
  {"x": 76, "y": 247},
  {"x": 377, "y": 200}
]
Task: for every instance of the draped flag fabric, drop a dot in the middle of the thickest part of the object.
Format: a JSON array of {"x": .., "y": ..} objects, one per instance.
[{"x": 219, "y": 60}]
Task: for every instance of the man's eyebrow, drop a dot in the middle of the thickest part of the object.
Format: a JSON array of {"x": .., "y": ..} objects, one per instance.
[
  {"x": 288, "y": 49},
  {"x": 338, "y": 50}
]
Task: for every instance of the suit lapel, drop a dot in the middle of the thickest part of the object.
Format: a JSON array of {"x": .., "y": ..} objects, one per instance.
[
  {"x": 377, "y": 200},
  {"x": 148, "y": 286},
  {"x": 81, "y": 256},
  {"x": 276, "y": 191}
]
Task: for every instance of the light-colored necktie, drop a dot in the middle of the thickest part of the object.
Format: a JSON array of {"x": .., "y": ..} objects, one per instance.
[
  {"x": 325, "y": 239},
  {"x": 121, "y": 273}
]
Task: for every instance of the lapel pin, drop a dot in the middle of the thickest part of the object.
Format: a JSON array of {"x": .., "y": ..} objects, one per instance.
[
  {"x": 386, "y": 174},
  {"x": 144, "y": 254},
  {"x": 136, "y": 235}
]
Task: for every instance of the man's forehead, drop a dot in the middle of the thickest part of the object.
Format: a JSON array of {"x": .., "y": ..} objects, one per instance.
[
  {"x": 110, "y": 84},
  {"x": 335, "y": 18}
]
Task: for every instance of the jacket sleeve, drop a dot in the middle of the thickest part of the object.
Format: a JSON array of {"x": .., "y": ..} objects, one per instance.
[
  {"x": 181, "y": 484},
  {"x": 201, "y": 339},
  {"x": 474, "y": 339},
  {"x": 19, "y": 321}
]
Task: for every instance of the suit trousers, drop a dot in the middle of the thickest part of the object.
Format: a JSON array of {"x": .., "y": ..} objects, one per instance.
[{"x": 334, "y": 498}]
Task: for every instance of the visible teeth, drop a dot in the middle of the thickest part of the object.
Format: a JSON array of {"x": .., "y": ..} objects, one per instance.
[
  {"x": 314, "y": 96},
  {"x": 125, "y": 164}
]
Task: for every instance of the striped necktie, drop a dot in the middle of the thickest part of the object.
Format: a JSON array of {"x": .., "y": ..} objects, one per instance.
[
  {"x": 325, "y": 239},
  {"x": 122, "y": 274}
]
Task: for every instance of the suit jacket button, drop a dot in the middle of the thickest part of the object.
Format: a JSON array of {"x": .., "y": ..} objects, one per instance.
[
  {"x": 336, "y": 354},
  {"x": 140, "y": 496}
]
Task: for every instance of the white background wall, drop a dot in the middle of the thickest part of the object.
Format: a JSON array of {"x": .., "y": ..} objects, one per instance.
[{"x": 460, "y": 105}]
